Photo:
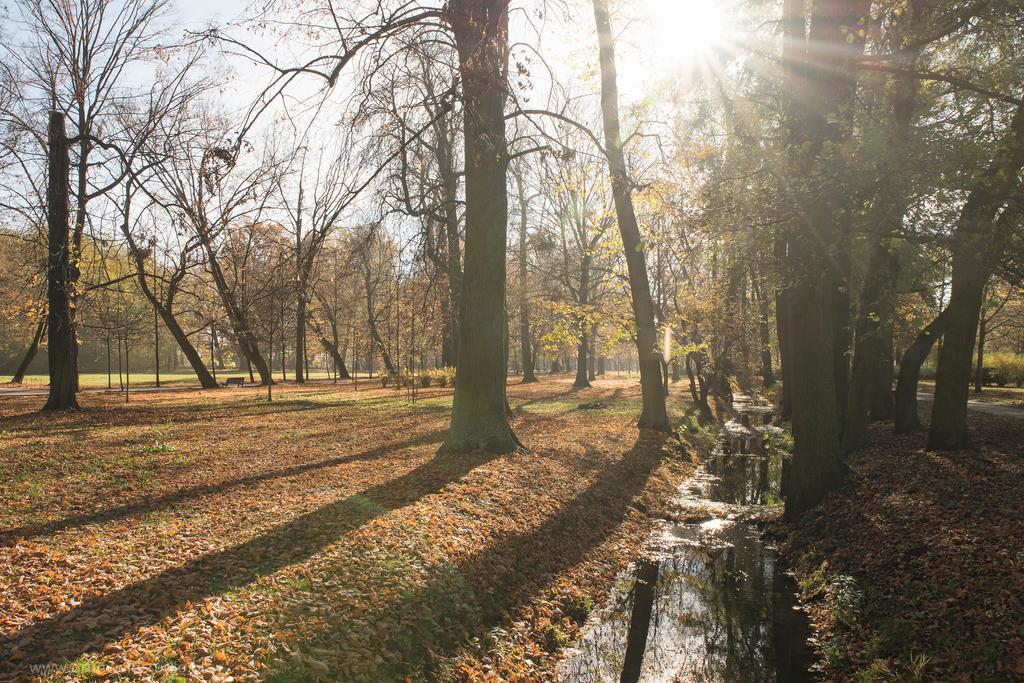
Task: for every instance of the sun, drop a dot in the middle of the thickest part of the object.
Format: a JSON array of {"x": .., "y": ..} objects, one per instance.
[{"x": 683, "y": 33}]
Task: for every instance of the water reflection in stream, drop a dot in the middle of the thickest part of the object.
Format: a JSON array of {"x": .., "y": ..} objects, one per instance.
[{"x": 712, "y": 602}]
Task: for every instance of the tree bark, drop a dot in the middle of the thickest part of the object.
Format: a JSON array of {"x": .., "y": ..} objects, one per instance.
[
  {"x": 529, "y": 370},
  {"x": 978, "y": 243},
  {"x": 979, "y": 370},
  {"x": 479, "y": 420},
  {"x": 238, "y": 318},
  {"x": 60, "y": 320},
  {"x": 821, "y": 91},
  {"x": 583, "y": 348},
  {"x": 869, "y": 348},
  {"x": 164, "y": 309},
  {"x": 30, "y": 353},
  {"x": 450, "y": 187},
  {"x": 653, "y": 413},
  {"x": 339, "y": 359},
  {"x": 781, "y": 317},
  {"x": 300, "y": 335},
  {"x": 582, "y": 353},
  {"x": 330, "y": 345},
  {"x": 905, "y": 413},
  {"x": 375, "y": 338},
  {"x": 301, "y": 283},
  {"x": 592, "y": 358},
  {"x": 764, "y": 333}
]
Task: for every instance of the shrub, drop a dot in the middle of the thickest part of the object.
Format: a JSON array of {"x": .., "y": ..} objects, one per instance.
[
  {"x": 443, "y": 377},
  {"x": 1004, "y": 367},
  {"x": 397, "y": 379},
  {"x": 426, "y": 378}
]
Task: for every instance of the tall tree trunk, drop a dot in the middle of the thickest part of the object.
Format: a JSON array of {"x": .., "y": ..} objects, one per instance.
[
  {"x": 905, "y": 410},
  {"x": 979, "y": 369},
  {"x": 450, "y": 188},
  {"x": 238, "y": 318},
  {"x": 331, "y": 346},
  {"x": 301, "y": 283},
  {"x": 821, "y": 91},
  {"x": 529, "y": 371},
  {"x": 164, "y": 309},
  {"x": 82, "y": 195},
  {"x": 60, "y": 321},
  {"x": 692, "y": 378},
  {"x": 339, "y": 359},
  {"x": 582, "y": 353},
  {"x": 653, "y": 414},
  {"x": 300, "y": 335},
  {"x": 842, "y": 333},
  {"x": 782, "y": 304},
  {"x": 764, "y": 332},
  {"x": 948, "y": 427},
  {"x": 978, "y": 243},
  {"x": 30, "y": 353},
  {"x": 479, "y": 420},
  {"x": 871, "y": 395},
  {"x": 206, "y": 380},
  {"x": 882, "y": 399},
  {"x": 375, "y": 338},
  {"x": 448, "y": 343},
  {"x": 583, "y": 349},
  {"x": 881, "y": 402},
  {"x": 869, "y": 348},
  {"x": 592, "y": 358}
]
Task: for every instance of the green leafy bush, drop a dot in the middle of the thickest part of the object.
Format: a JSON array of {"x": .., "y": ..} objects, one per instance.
[
  {"x": 442, "y": 377},
  {"x": 1003, "y": 368}
]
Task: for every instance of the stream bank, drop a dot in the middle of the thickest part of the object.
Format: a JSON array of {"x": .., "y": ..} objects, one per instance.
[{"x": 710, "y": 600}]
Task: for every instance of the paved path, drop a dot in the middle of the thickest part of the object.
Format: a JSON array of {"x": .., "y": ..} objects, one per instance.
[{"x": 982, "y": 407}]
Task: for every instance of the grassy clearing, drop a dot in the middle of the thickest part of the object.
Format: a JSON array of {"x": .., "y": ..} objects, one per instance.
[
  {"x": 209, "y": 534},
  {"x": 99, "y": 380}
]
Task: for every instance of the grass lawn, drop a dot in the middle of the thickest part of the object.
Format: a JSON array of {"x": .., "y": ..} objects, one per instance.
[
  {"x": 98, "y": 380},
  {"x": 208, "y": 534}
]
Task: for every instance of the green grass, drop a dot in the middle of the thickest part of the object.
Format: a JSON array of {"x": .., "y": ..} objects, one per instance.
[{"x": 98, "y": 380}]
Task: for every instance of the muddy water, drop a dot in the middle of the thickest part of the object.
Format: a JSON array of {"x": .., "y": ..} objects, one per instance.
[{"x": 711, "y": 601}]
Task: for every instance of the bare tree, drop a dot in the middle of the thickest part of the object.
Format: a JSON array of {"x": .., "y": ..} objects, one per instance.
[
  {"x": 76, "y": 61},
  {"x": 653, "y": 414},
  {"x": 208, "y": 191}
]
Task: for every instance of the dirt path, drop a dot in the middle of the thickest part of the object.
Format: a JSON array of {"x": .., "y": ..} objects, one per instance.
[{"x": 982, "y": 407}]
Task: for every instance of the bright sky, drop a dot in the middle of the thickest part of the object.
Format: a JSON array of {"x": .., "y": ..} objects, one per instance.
[{"x": 659, "y": 39}]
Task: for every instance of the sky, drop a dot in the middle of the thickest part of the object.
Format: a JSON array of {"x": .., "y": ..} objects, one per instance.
[{"x": 658, "y": 39}]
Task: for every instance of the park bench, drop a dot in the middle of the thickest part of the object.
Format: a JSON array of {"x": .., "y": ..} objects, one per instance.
[{"x": 234, "y": 382}]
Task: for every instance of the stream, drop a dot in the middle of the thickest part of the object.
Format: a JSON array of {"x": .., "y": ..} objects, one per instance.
[{"x": 710, "y": 600}]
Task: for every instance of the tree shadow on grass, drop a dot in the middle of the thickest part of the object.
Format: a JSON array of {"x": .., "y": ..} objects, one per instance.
[
  {"x": 547, "y": 398},
  {"x": 106, "y": 618},
  {"x": 460, "y": 602},
  {"x": 147, "y": 505}
]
